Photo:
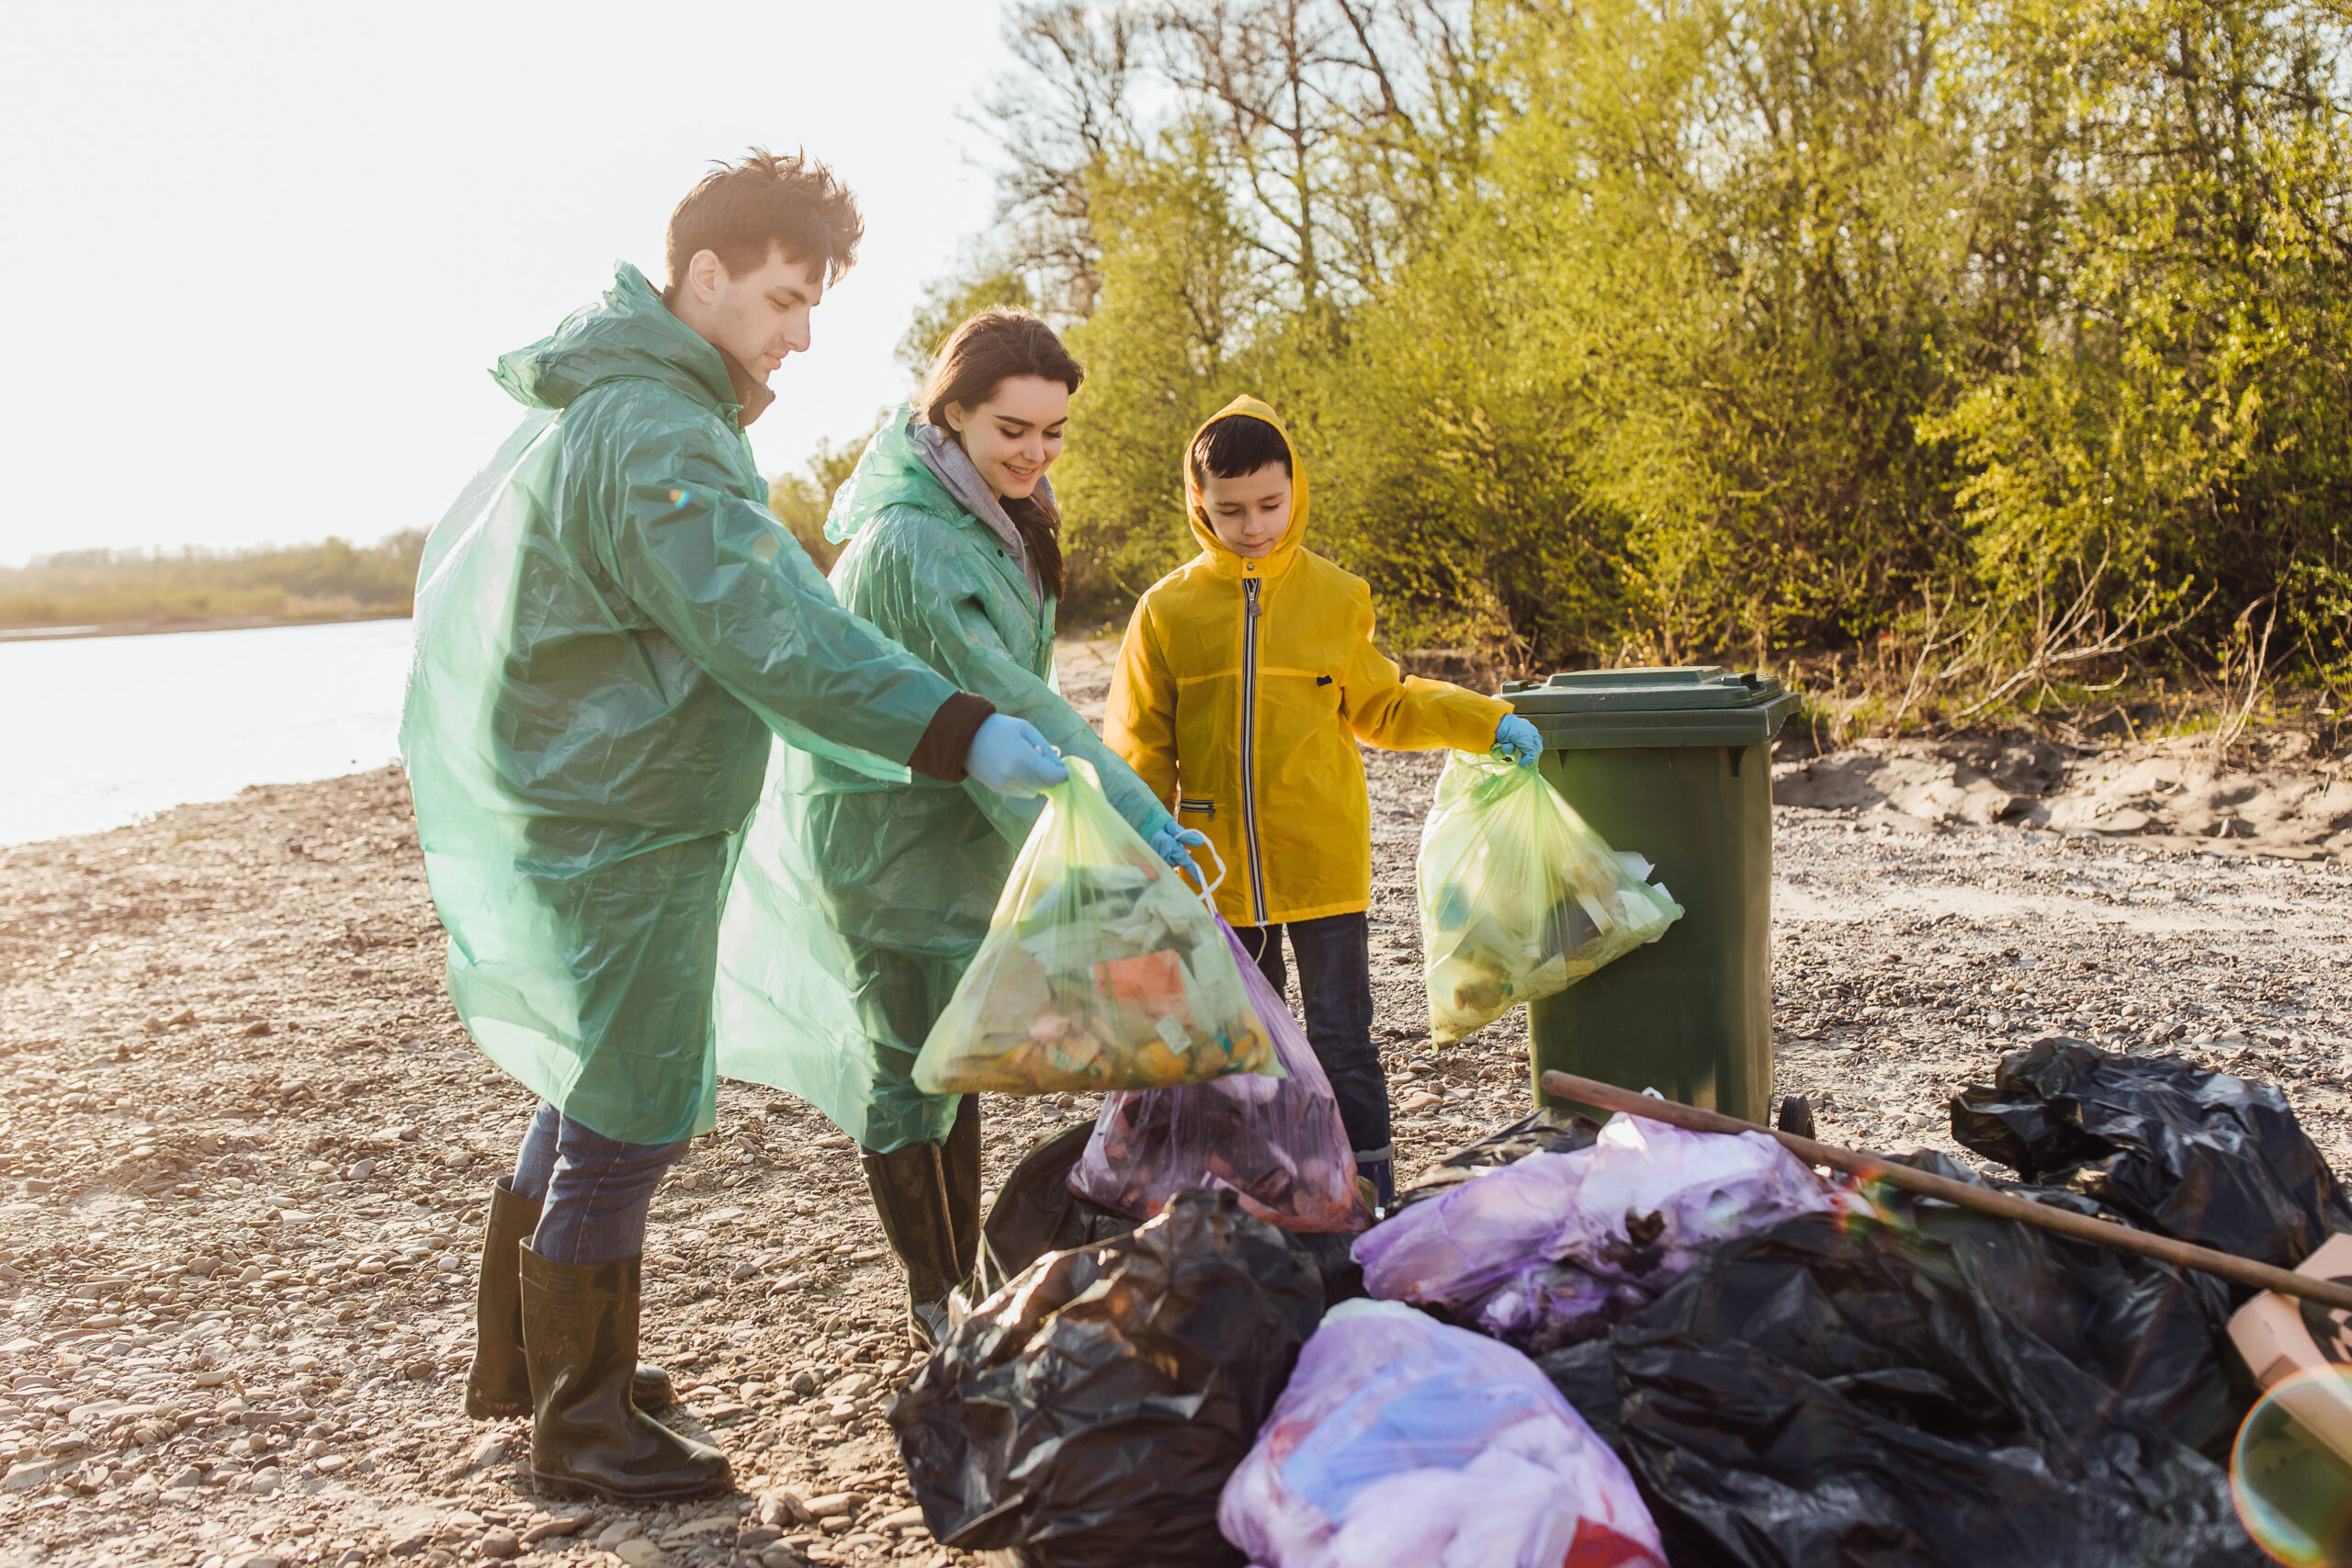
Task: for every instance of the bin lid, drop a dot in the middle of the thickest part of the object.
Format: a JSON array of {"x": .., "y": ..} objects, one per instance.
[{"x": 1702, "y": 705}]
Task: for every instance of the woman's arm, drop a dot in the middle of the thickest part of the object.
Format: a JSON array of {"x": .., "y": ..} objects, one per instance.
[
  {"x": 987, "y": 669},
  {"x": 943, "y": 590}
]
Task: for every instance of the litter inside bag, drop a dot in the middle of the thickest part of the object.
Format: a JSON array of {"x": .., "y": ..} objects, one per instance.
[
  {"x": 1556, "y": 1247},
  {"x": 1089, "y": 1413},
  {"x": 1404, "y": 1443},
  {"x": 1518, "y": 898},
  {"x": 1279, "y": 1143},
  {"x": 2199, "y": 1156},
  {"x": 1832, "y": 1390},
  {"x": 1101, "y": 969}
]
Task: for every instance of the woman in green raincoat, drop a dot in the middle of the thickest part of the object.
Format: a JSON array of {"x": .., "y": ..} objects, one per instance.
[{"x": 953, "y": 551}]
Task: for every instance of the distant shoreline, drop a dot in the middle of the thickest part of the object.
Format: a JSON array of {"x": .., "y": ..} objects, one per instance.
[{"x": 189, "y": 623}]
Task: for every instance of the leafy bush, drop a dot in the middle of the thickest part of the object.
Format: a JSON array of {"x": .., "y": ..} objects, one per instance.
[{"x": 2015, "y": 337}]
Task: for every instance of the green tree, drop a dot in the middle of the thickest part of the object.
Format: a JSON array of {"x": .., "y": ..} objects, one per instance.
[
  {"x": 801, "y": 500},
  {"x": 2016, "y": 333}
]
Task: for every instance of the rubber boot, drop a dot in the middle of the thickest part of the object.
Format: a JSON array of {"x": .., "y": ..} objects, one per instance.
[
  {"x": 587, "y": 1435},
  {"x": 499, "y": 1385},
  {"x": 912, "y": 1195}
]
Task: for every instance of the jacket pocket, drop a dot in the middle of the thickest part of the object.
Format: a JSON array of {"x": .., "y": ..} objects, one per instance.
[{"x": 1196, "y": 807}]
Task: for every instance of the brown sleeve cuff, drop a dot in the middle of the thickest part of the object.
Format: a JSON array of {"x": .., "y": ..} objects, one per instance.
[{"x": 941, "y": 752}]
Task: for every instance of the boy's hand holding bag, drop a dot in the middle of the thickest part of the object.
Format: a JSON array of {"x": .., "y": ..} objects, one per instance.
[
  {"x": 1101, "y": 970},
  {"x": 1519, "y": 898}
]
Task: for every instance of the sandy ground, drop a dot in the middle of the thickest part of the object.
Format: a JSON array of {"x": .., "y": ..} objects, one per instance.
[
  {"x": 2271, "y": 795},
  {"x": 246, "y": 1147}
]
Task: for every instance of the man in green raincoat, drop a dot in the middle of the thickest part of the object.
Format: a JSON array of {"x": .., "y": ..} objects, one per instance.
[{"x": 610, "y": 625}]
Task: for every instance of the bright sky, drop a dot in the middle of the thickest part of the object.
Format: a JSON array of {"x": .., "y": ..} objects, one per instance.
[{"x": 262, "y": 253}]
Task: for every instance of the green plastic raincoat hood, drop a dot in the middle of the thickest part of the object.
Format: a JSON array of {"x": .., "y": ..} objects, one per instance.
[{"x": 627, "y": 334}]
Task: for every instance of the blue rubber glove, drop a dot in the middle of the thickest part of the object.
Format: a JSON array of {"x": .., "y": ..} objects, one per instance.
[
  {"x": 1174, "y": 844},
  {"x": 1010, "y": 757},
  {"x": 1516, "y": 740}
]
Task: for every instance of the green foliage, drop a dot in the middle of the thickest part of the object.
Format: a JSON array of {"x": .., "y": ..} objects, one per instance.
[
  {"x": 2013, "y": 339},
  {"x": 946, "y": 305},
  {"x": 801, "y": 500},
  {"x": 1178, "y": 297},
  {"x": 323, "y": 581}
]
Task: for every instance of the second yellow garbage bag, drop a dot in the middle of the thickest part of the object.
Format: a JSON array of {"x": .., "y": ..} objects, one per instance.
[
  {"x": 1520, "y": 898},
  {"x": 1101, "y": 970}
]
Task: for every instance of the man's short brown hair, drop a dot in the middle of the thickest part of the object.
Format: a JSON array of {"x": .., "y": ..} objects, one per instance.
[{"x": 743, "y": 210}]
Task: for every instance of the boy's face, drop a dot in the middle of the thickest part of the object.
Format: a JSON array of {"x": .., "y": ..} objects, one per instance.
[
  {"x": 760, "y": 317},
  {"x": 1251, "y": 513}
]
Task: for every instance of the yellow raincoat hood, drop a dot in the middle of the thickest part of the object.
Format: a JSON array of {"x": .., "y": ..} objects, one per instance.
[
  {"x": 1242, "y": 692},
  {"x": 1221, "y": 557}
]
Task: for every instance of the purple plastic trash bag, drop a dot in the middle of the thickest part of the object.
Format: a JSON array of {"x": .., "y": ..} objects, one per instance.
[
  {"x": 1452, "y": 1249},
  {"x": 1278, "y": 1143},
  {"x": 1570, "y": 1242},
  {"x": 1401, "y": 1442}
]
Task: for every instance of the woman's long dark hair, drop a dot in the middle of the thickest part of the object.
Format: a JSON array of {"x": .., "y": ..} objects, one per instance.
[{"x": 987, "y": 350}]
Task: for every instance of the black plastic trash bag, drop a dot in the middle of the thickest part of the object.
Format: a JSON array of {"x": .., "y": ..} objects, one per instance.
[
  {"x": 1035, "y": 1213},
  {"x": 2152, "y": 1332},
  {"x": 2198, "y": 1155},
  {"x": 1089, "y": 1413},
  {"x": 1836, "y": 1392}
]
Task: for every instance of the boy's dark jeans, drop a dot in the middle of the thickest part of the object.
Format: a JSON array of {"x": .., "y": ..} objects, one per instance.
[{"x": 1334, "y": 957}]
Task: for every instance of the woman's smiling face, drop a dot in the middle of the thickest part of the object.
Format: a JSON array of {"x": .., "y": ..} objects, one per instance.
[{"x": 1014, "y": 436}]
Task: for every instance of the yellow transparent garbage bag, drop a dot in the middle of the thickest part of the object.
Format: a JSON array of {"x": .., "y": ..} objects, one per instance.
[
  {"x": 1520, "y": 898},
  {"x": 1102, "y": 970}
]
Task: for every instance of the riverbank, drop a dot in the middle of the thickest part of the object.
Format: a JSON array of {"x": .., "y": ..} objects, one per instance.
[
  {"x": 244, "y": 1150},
  {"x": 161, "y": 626}
]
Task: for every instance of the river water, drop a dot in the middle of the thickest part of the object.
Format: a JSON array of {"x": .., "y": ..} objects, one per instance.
[{"x": 96, "y": 732}]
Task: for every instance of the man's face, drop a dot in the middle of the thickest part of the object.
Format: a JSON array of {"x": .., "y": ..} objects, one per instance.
[
  {"x": 1251, "y": 513},
  {"x": 760, "y": 317}
]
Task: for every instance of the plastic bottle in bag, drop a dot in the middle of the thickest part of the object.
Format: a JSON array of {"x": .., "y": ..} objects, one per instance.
[
  {"x": 1102, "y": 970},
  {"x": 1520, "y": 898}
]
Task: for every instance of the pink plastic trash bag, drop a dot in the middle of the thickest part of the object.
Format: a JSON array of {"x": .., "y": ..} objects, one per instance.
[
  {"x": 1453, "y": 1249},
  {"x": 1278, "y": 1143},
  {"x": 1403, "y": 1443},
  {"x": 1569, "y": 1243}
]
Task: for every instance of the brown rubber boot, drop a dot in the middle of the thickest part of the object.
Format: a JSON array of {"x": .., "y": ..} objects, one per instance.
[
  {"x": 499, "y": 1385},
  {"x": 580, "y": 1336},
  {"x": 909, "y": 1192}
]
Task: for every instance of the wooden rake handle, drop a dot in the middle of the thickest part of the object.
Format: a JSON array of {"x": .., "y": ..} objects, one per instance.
[{"x": 2008, "y": 1206}]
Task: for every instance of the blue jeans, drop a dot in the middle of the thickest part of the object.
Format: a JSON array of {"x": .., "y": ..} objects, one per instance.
[
  {"x": 1334, "y": 957},
  {"x": 597, "y": 1190}
]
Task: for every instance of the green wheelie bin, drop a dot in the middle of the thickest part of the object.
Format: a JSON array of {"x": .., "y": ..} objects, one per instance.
[{"x": 1673, "y": 765}]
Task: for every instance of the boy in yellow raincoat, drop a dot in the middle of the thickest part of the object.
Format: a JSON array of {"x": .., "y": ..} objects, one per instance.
[{"x": 1247, "y": 676}]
